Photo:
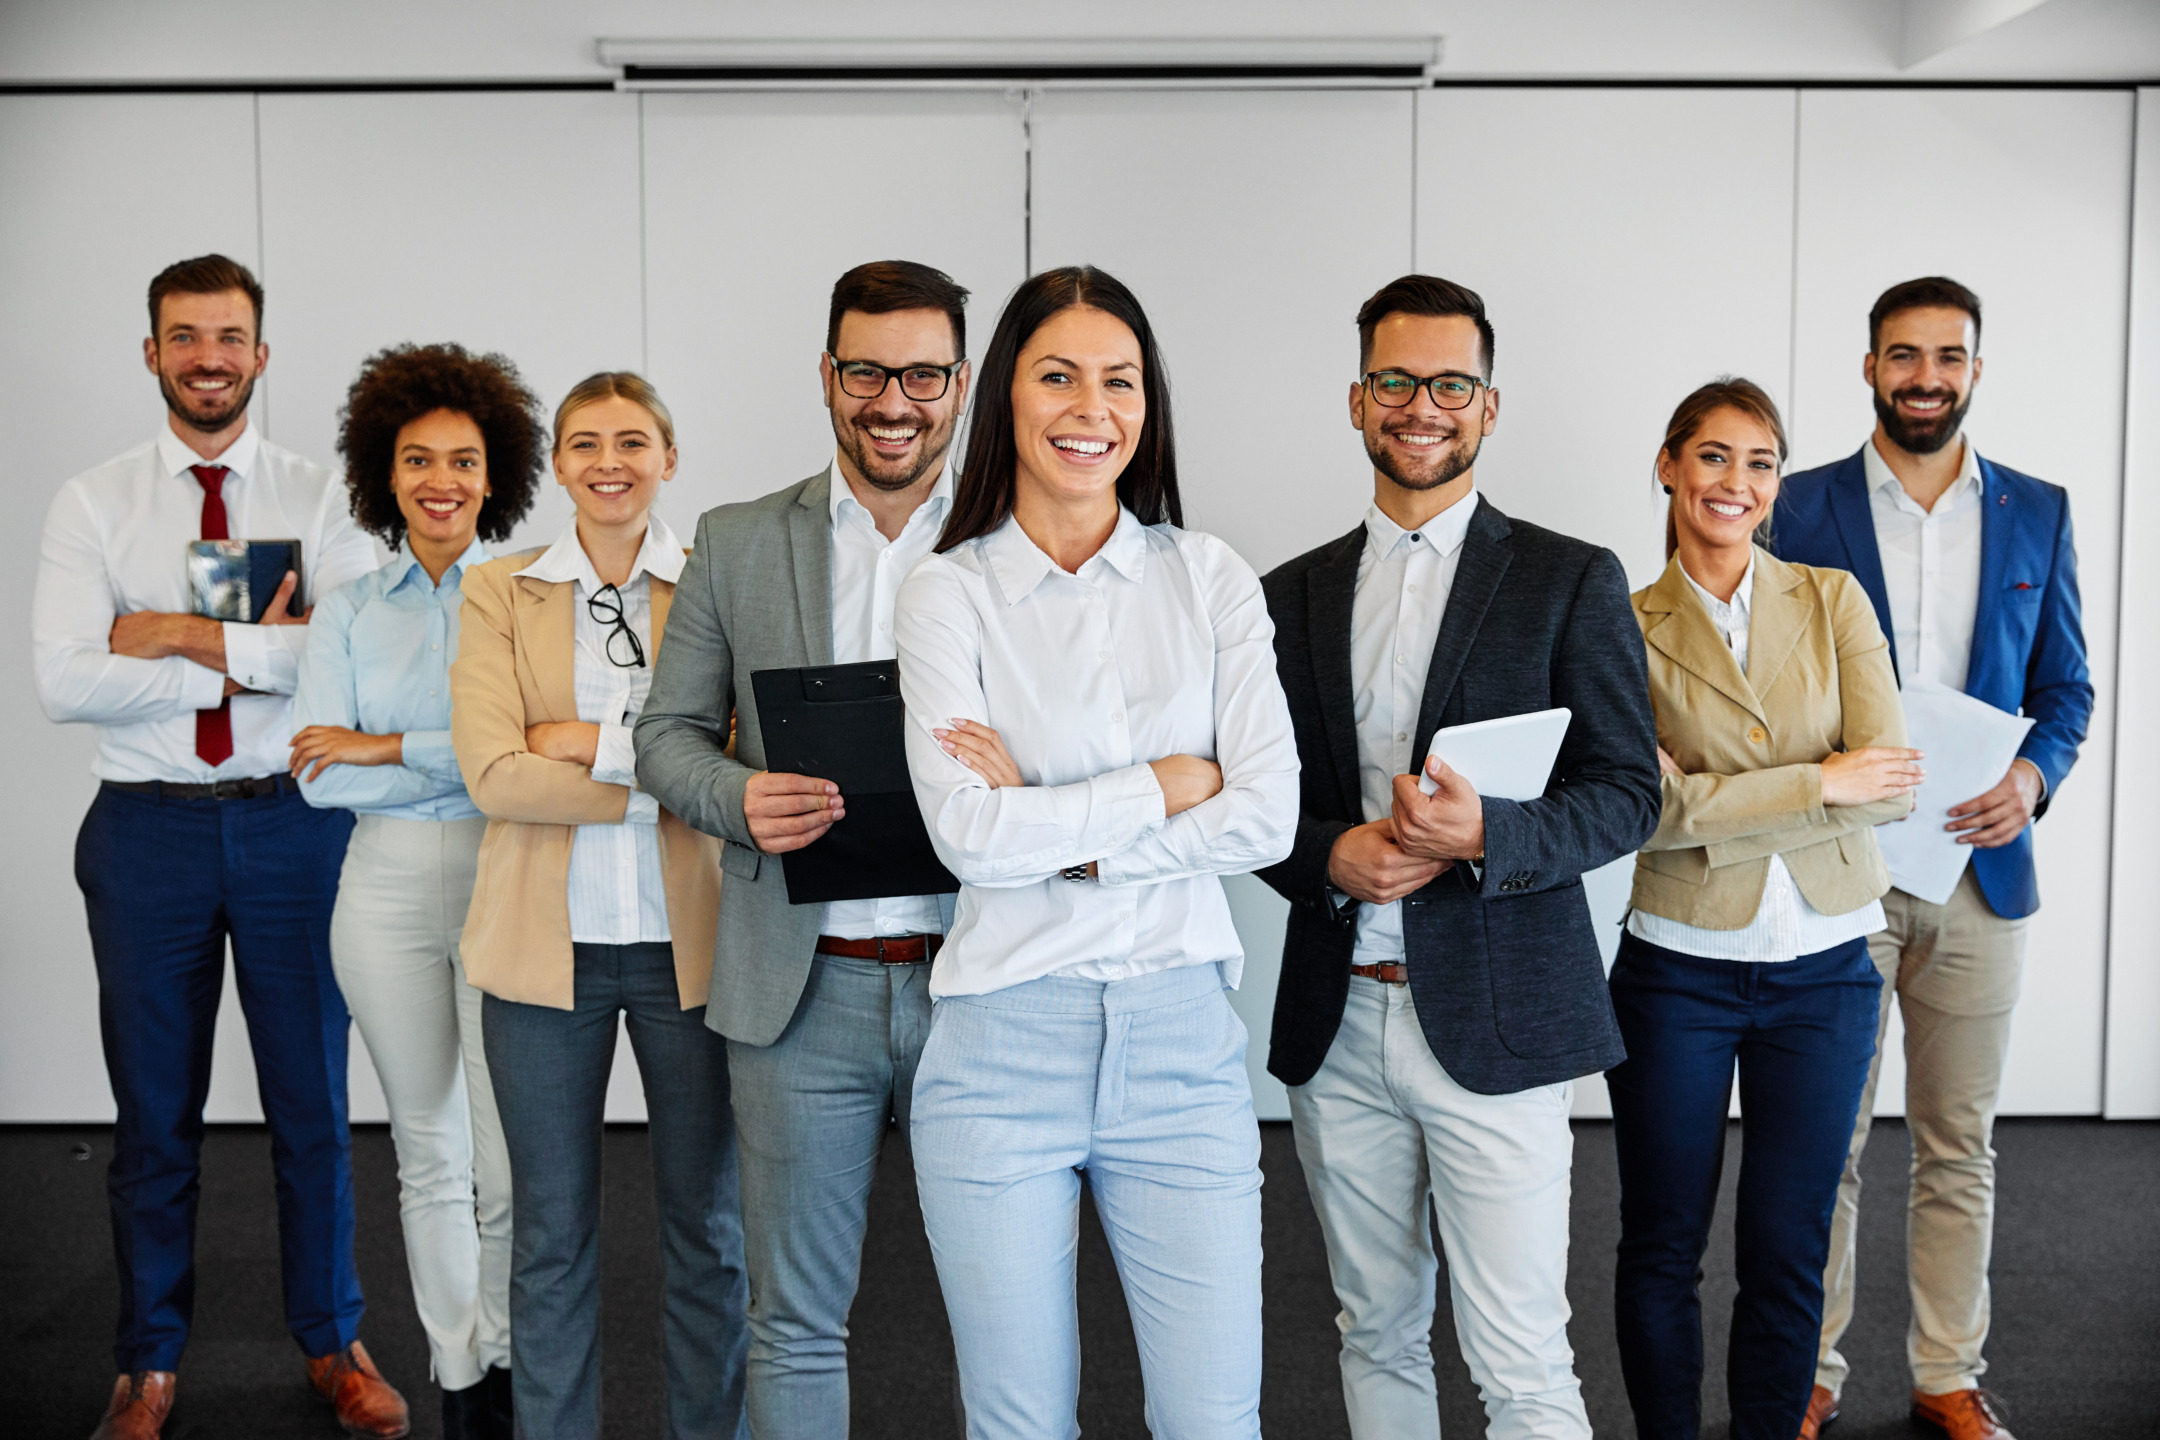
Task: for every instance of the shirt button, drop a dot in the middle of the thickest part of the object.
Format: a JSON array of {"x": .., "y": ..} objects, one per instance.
[
  {"x": 1411, "y": 588},
  {"x": 1402, "y": 735},
  {"x": 1117, "y": 717},
  {"x": 1756, "y": 735}
]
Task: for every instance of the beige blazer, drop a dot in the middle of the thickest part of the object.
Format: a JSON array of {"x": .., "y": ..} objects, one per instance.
[
  {"x": 1819, "y": 680},
  {"x": 516, "y": 667}
]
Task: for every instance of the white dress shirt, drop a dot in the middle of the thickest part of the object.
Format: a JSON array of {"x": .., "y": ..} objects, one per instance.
[
  {"x": 115, "y": 544},
  {"x": 866, "y": 573},
  {"x": 1403, "y": 583},
  {"x": 1931, "y": 567},
  {"x": 1160, "y": 645},
  {"x": 1785, "y": 926},
  {"x": 617, "y": 895}
]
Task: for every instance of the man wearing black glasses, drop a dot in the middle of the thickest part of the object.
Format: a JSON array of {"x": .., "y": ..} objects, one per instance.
[
  {"x": 825, "y": 1007},
  {"x": 1441, "y": 985}
]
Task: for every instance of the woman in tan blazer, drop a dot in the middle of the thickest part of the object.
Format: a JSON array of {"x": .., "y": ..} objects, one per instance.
[
  {"x": 592, "y": 902},
  {"x": 1782, "y": 742}
]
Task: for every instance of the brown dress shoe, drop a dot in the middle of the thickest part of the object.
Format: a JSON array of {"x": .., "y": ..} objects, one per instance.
[
  {"x": 140, "y": 1402},
  {"x": 366, "y": 1404},
  {"x": 1821, "y": 1410},
  {"x": 1962, "y": 1414}
]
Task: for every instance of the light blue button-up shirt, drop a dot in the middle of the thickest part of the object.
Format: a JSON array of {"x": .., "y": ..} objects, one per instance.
[{"x": 378, "y": 661}]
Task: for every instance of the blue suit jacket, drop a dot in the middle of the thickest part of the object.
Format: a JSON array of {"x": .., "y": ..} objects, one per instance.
[{"x": 2028, "y": 644}]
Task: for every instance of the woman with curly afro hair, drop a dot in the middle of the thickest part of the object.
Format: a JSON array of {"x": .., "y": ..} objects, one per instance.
[{"x": 443, "y": 452}]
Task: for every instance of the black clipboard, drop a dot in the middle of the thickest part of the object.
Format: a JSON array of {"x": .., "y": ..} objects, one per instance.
[{"x": 843, "y": 723}]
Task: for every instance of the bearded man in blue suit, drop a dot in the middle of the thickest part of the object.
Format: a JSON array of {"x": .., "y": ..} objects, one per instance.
[{"x": 1974, "y": 578}]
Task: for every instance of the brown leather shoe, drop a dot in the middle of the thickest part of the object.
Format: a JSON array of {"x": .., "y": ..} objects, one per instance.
[
  {"x": 366, "y": 1403},
  {"x": 1821, "y": 1410},
  {"x": 140, "y": 1402},
  {"x": 1962, "y": 1414}
]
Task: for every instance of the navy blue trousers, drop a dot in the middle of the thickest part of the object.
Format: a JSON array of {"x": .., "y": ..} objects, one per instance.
[
  {"x": 1802, "y": 1034},
  {"x": 168, "y": 882}
]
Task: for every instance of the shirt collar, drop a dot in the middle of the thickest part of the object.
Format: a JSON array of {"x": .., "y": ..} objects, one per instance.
[
  {"x": 1020, "y": 565},
  {"x": 239, "y": 457},
  {"x": 660, "y": 556},
  {"x": 1743, "y": 595},
  {"x": 404, "y": 565},
  {"x": 1881, "y": 477},
  {"x": 934, "y": 505},
  {"x": 1445, "y": 532}
]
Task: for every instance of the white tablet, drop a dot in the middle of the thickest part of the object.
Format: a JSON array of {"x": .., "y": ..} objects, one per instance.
[{"x": 1511, "y": 757}]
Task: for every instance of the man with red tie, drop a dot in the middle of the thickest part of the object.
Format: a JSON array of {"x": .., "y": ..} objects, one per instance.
[{"x": 198, "y": 836}]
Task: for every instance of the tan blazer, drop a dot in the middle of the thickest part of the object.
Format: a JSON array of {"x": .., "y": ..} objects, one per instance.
[
  {"x": 1819, "y": 680},
  {"x": 516, "y": 667}
]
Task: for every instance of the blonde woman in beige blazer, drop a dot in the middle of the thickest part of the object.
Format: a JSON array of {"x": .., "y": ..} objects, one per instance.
[
  {"x": 593, "y": 903},
  {"x": 1782, "y": 742}
]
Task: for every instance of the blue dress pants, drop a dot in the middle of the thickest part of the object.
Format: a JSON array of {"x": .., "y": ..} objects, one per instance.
[
  {"x": 167, "y": 883},
  {"x": 1802, "y": 1033},
  {"x": 550, "y": 1069}
]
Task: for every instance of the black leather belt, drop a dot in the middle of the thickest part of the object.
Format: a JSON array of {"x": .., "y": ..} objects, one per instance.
[{"x": 253, "y": 787}]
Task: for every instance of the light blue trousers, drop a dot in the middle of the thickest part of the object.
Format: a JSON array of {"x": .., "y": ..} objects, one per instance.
[{"x": 1141, "y": 1083}]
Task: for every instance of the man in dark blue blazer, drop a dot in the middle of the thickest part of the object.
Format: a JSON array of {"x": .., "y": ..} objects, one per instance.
[
  {"x": 1441, "y": 983},
  {"x": 1974, "y": 578}
]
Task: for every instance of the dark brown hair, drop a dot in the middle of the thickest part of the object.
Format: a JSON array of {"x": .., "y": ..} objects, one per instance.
[
  {"x": 205, "y": 275},
  {"x": 405, "y": 382},
  {"x": 1422, "y": 295},
  {"x": 883, "y": 286},
  {"x": 1726, "y": 391},
  {"x": 1928, "y": 290},
  {"x": 983, "y": 496}
]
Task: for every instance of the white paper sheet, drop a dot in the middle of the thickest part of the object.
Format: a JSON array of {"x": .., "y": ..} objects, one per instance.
[
  {"x": 1510, "y": 758},
  {"x": 1968, "y": 746}
]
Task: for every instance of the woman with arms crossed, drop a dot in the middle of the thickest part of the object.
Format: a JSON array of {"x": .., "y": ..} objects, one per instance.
[
  {"x": 593, "y": 902},
  {"x": 1781, "y": 739},
  {"x": 442, "y": 453},
  {"x": 1096, "y": 733}
]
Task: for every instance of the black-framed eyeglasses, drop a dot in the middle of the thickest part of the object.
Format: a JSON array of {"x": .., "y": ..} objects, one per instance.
[
  {"x": 1450, "y": 389},
  {"x": 866, "y": 381},
  {"x": 605, "y": 605}
]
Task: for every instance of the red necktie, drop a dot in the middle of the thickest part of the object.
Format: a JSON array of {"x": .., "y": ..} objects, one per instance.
[{"x": 213, "y": 728}]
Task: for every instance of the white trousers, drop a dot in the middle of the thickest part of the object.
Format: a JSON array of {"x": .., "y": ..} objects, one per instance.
[
  {"x": 394, "y": 944},
  {"x": 1381, "y": 1130}
]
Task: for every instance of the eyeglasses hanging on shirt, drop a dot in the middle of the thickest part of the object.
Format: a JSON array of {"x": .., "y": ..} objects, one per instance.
[{"x": 605, "y": 606}]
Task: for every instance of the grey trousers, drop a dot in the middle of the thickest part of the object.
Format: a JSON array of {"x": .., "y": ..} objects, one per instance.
[
  {"x": 551, "y": 1075},
  {"x": 811, "y": 1111}
]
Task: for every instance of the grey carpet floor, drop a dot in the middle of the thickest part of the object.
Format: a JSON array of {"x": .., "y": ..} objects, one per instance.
[{"x": 2075, "y": 1350}]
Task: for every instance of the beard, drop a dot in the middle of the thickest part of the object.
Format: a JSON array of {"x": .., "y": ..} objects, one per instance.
[
  {"x": 895, "y": 475},
  {"x": 1453, "y": 459},
  {"x": 1920, "y": 437},
  {"x": 177, "y": 401}
]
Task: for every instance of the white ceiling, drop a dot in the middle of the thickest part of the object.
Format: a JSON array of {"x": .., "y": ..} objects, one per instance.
[{"x": 331, "y": 40}]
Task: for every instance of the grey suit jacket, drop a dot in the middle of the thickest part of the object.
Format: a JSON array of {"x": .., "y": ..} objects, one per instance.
[{"x": 756, "y": 594}]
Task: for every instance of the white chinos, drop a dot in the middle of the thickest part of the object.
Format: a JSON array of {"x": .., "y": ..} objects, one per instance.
[
  {"x": 1380, "y": 1129},
  {"x": 394, "y": 944}
]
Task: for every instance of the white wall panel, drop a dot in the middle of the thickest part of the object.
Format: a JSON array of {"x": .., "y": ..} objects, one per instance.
[
  {"x": 504, "y": 222},
  {"x": 2133, "y": 994},
  {"x": 102, "y": 193},
  {"x": 1630, "y": 245},
  {"x": 2024, "y": 196},
  {"x": 755, "y": 204},
  {"x": 1251, "y": 226}
]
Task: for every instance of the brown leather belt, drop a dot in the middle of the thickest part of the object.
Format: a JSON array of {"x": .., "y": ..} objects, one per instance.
[
  {"x": 1385, "y": 974},
  {"x": 885, "y": 949},
  {"x": 252, "y": 788}
]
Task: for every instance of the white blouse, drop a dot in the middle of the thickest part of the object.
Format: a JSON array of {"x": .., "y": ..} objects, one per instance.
[
  {"x": 617, "y": 894},
  {"x": 1160, "y": 645}
]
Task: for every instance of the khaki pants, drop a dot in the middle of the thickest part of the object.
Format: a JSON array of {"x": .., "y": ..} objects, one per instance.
[{"x": 1955, "y": 968}]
